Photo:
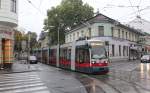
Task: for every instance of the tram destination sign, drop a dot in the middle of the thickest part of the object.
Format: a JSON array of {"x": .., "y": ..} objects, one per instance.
[{"x": 96, "y": 43}]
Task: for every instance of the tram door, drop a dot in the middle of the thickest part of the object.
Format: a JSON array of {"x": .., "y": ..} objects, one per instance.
[
  {"x": 82, "y": 58},
  {"x": 7, "y": 53}
]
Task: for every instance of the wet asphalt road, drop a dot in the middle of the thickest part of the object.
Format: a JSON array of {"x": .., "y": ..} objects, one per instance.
[{"x": 124, "y": 77}]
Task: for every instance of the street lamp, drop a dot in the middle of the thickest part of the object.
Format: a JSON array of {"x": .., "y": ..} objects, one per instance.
[{"x": 29, "y": 39}]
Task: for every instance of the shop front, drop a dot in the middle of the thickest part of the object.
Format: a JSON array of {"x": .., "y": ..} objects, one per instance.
[
  {"x": 135, "y": 51},
  {"x": 6, "y": 47}
]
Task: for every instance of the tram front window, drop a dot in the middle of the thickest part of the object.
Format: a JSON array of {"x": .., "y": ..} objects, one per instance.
[{"x": 98, "y": 52}]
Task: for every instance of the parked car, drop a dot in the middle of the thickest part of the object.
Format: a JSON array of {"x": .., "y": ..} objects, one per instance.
[
  {"x": 32, "y": 60},
  {"x": 145, "y": 59}
]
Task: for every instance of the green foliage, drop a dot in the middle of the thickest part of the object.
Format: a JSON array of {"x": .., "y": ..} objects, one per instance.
[
  {"x": 65, "y": 16},
  {"x": 33, "y": 39},
  {"x": 18, "y": 38}
]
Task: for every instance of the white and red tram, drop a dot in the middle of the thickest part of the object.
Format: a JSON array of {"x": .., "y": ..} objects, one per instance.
[{"x": 87, "y": 56}]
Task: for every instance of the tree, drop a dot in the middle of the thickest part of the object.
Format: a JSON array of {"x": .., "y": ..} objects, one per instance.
[
  {"x": 18, "y": 39},
  {"x": 66, "y": 16},
  {"x": 33, "y": 39}
]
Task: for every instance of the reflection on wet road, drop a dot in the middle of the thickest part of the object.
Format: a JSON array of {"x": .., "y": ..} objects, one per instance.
[
  {"x": 130, "y": 78},
  {"x": 124, "y": 77}
]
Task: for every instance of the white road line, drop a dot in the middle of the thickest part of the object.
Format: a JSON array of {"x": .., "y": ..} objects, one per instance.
[
  {"x": 3, "y": 80},
  {"x": 42, "y": 91},
  {"x": 22, "y": 86},
  {"x": 18, "y": 75},
  {"x": 12, "y": 78},
  {"x": 20, "y": 83},
  {"x": 19, "y": 80},
  {"x": 28, "y": 90}
]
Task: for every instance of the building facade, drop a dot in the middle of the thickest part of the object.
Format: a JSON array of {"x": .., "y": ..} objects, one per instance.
[
  {"x": 122, "y": 39},
  {"x": 144, "y": 26},
  {"x": 8, "y": 21}
]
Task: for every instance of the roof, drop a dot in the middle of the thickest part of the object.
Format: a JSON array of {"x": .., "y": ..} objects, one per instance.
[{"x": 100, "y": 18}]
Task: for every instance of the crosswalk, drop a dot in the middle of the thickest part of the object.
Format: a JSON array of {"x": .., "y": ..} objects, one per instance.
[{"x": 22, "y": 83}]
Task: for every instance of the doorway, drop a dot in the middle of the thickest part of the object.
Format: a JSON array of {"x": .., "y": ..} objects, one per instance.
[{"x": 7, "y": 53}]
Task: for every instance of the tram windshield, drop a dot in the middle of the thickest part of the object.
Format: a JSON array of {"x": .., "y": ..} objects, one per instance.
[{"x": 98, "y": 52}]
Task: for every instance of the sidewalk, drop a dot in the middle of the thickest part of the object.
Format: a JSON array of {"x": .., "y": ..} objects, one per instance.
[{"x": 18, "y": 67}]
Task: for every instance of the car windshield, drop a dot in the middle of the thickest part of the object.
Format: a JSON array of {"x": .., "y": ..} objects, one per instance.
[
  {"x": 146, "y": 56},
  {"x": 98, "y": 52},
  {"x": 32, "y": 58}
]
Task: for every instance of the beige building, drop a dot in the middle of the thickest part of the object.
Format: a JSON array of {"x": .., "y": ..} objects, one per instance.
[{"x": 122, "y": 38}]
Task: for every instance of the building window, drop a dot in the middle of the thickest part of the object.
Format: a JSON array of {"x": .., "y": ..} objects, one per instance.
[
  {"x": 13, "y": 6},
  {"x": 133, "y": 37},
  {"x": 122, "y": 34},
  {"x": 119, "y": 33},
  {"x": 119, "y": 50},
  {"x": 82, "y": 33},
  {"x": 73, "y": 36},
  {"x": 124, "y": 50},
  {"x": 67, "y": 38},
  {"x": 113, "y": 50},
  {"x": 126, "y": 35},
  {"x": 127, "y": 51},
  {"x": 112, "y": 31},
  {"x": 0, "y": 3},
  {"x": 89, "y": 32},
  {"x": 100, "y": 30},
  {"x": 77, "y": 35},
  {"x": 129, "y": 36},
  {"x": 70, "y": 38}
]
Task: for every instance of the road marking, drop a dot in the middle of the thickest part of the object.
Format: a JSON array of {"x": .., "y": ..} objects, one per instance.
[
  {"x": 28, "y": 90},
  {"x": 19, "y": 80},
  {"x": 22, "y": 82}
]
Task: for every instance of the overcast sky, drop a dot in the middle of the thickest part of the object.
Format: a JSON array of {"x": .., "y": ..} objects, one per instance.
[{"x": 31, "y": 16}]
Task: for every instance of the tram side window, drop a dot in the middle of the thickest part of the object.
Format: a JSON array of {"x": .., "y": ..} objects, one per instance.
[
  {"x": 82, "y": 55},
  {"x": 53, "y": 53},
  {"x": 69, "y": 54},
  {"x": 61, "y": 53}
]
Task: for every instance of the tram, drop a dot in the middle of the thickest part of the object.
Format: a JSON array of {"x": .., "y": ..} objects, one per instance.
[{"x": 86, "y": 56}]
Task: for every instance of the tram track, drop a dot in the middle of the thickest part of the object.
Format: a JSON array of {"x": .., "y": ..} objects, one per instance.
[
  {"x": 132, "y": 83},
  {"x": 103, "y": 86},
  {"x": 115, "y": 88}
]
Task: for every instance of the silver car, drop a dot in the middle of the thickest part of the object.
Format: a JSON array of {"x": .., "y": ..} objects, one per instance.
[
  {"x": 145, "y": 59},
  {"x": 32, "y": 59}
]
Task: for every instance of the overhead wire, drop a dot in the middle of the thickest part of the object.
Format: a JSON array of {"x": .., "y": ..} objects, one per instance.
[
  {"x": 40, "y": 3},
  {"x": 147, "y": 7},
  {"x": 131, "y": 5},
  {"x": 106, "y": 5},
  {"x": 139, "y": 7},
  {"x": 29, "y": 1}
]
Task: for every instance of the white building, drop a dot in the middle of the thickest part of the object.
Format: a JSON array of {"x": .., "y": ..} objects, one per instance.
[
  {"x": 144, "y": 26},
  {"x": 122, "y": 39},
  {"x": 44, "y": 40},
  {"x": 8, "y": 21}
]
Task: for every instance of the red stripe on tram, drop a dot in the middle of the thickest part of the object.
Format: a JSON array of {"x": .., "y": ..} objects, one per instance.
[{"x": 92, "y": 65}]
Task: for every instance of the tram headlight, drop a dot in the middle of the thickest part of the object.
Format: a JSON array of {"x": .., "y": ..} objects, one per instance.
[{"x": 93, "y": 62}]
